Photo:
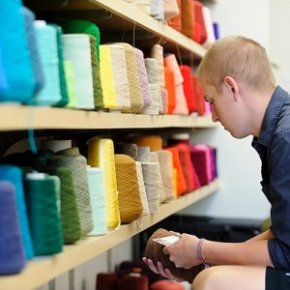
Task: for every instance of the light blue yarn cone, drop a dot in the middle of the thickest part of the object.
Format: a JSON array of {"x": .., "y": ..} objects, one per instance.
[
  {"x": 15, "y": 54},
  {"x": 46, "y": 36},
  {"x": 13, "y": 174},
  {"x": 97, "y": 199}
]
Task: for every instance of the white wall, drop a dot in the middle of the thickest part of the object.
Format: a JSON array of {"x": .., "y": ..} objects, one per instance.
[
  {"x": 240, "y": 194},
  {"x": 280, "y": 40}
]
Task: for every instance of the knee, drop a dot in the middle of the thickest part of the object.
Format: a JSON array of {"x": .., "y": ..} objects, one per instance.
[{"x": 208, "y": 279}]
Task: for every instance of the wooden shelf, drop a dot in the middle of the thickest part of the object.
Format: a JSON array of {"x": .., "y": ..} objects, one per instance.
[
  {"x": 40, "y": 270},
  {"x": 124, "y": 11},
  {"x": 17, "y": 117}
]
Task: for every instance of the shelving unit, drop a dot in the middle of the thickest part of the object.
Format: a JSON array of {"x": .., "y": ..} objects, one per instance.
[
  {"x": 41, "y": 271},
  {"x": 58, "y": 118},
  {"x": 18, "y": 118}
]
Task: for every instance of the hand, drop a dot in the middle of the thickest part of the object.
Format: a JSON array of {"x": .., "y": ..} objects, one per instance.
[
  {"x": 183, "y": 253},
  {"x": 158, "y": 269}
]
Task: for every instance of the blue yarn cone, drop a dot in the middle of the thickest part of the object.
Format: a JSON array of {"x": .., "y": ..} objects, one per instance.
[
  {"x": 13, "y": 174},
  {"x": 12, "y": 258}
]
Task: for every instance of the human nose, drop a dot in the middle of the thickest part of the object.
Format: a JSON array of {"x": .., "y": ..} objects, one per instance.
[{"x": 214, "y": 115}]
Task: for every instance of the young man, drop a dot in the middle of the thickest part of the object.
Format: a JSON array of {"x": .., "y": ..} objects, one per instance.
[{"x": 238, "y": 82}]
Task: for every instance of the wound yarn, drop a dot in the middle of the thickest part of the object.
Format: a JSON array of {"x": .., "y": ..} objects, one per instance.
[
  {"x": 129, "y": 198},
  {"x": 77, "y": 50},
  {"x": 101, "y": 154},
  {"x": 12, "y": 257},
  {"x": 154, "y": 251},
  {"x": 13, "y": 174},
  {"x": 43, "y": 207},
  {"x": 97, "y": 200}
]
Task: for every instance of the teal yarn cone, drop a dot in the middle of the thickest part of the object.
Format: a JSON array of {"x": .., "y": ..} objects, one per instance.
[
  {"x": 88, "y": 27},
  {"x": 13, "y": 174},
  {"x": 12, "y": 259},
  {"x": 33, "y": 50},
  {"x": 70, "y": 220},
  {"x": 62, "y": 81},
  {"x": 15, "y": 54},
  {"x": 43, "y": 208}
]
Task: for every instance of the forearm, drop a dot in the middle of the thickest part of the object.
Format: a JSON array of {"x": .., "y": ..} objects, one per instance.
[
  {"x": 267, "y": 235},
  {"x": 247, "y": 253}
]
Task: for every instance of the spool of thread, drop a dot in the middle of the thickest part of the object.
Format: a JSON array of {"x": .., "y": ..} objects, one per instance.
[
  {"x": 20, "y": 85},
  {"x": 170, "y": 89},
  {"x": 134, "y": 281},
  {"x": 170, "y": 8},
  {"x": 129, "y": 198},
  {"x": 166, "y": 285},
  {"x": 136, "y": 98},
  {"x": 70, "y": 220},
  {"x": 120, "y": 75},
  {"x": 154, "y": 142},
  {"x": 70, "y": 82},
  {"x": 46, "y": 36},
  {"x": 77, "y": 49},
  {"x": 187, "y": 18},
  {"x": 89, "y": 28},
  {"x": 156, "y": 9},
  {"x": 181, "y": 184},
  {"x": 152, "y": 70},
  {"x": 154, "y": 107},
  {"x": 176, "y": 22},
  {"x": 154, "y": 158},
  {"x": 157, "y": 53},
  {"x": 56, "y": 145},
  {"x": 107, "y": 78},
  {"x": 13, "y": 174},
  {"x": 43, "y": 207},
  {"x": 166, "y": 165},
  {"x": 143, "y": 79},
  {"x": 209, "y": 27},
  {"x": 201, "y": 159},
  {"x": 129, "y": 149},
  {"x": 200, "y": 102},
  {"x": 143, "y": 153},
  {"x": 12, "y": 257},
  {"x": 101, "y": 154},
  {"x": 152, "y": 181},
  {"x": 106, "y": 281},
  {"x": 199, "y": 18},
  {"x": 154, "y": 251},
  {"x": 188, "y": 88},
  {"x": 78, "y": 166},
  {"x": 142, "y": 189},
  {"x": 37, "y": 67},
  {"x": 61, "y": 70},
  {"x": 97, "y": 200}
]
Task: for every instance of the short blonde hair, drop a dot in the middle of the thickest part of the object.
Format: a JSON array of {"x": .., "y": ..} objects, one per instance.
[{"x": 239, "y": 57}]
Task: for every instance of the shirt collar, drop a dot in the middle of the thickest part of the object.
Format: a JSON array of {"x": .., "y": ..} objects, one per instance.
[{"x": 271, "y": 117}]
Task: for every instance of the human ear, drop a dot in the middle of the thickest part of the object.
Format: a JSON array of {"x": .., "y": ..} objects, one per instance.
[{"x": 232, "y": 86}]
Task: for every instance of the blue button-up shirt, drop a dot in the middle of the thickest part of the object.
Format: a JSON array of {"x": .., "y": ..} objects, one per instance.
[{"x": 273, "y": 147}]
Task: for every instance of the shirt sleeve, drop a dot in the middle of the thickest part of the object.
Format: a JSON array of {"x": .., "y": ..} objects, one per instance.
[{"x": 279, "y": 195}]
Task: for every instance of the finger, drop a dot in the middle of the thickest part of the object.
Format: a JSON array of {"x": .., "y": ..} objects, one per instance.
[
  {"x": 165, "y": 251},
  {"x": 152, "y": 266},
  {"x": 161, "y": 269},
  {"x": 169, "y": 275},
  {"x": 175, "y": 233}
]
